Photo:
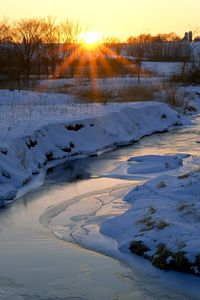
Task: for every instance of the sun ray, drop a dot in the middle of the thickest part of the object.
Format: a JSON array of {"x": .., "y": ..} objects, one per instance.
[
  {"x": 94, "y": 77},
  {"x": 68, "y": 61},
  {"x": 92, "y": 57}
]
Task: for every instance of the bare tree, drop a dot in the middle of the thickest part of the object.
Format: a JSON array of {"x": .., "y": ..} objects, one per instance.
[
  {"x": 27, "y": 35},
  {"x": 113, "y": 46},
  {"x": 5, "y": 31},
  {"x": 139, "y": 48},
  {"x": 7, "y": 58},
  {"x": 165, "y": 37},
  {"x": 164, "y": 46},
  {"x": 70, "y": 32},
  {"x": 51, "y": 46}
]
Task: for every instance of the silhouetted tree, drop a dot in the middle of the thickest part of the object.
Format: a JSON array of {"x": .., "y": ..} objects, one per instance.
[
  {"x": 8, "y": 63},
  {"x": 70, "y": 32},
  {"x": 51, "y": 46},
  {"x": 27, "y": 36},
  {"x": 139, "y": 50},
  {"x": 113, "y": 44},
  {"x": 5, "y": 31}
]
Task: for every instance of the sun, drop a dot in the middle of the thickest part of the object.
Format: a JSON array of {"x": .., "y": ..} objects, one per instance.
[{"x": 90, "y": 39}]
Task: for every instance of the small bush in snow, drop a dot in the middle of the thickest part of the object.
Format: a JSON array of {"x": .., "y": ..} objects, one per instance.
[
  {"x": 161, "y": 224},
  {"x": 161, "y": 185},
  {"x": 174, "y": 95},
  {"x": 138, "y": 248},
  {"x": 152, "y": 210},
  {"x": 127, "y": 93}
]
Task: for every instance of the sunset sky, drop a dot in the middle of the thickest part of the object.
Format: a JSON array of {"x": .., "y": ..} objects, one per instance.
[{"x": 112, "y": 17}]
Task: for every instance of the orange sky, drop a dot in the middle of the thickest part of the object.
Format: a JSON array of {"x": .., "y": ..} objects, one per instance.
[{"x": 112, "y": 17}]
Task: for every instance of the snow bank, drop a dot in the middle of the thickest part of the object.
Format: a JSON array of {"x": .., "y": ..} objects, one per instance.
[
  {"x": 24, "y": 156},
  {"x": 162, "y": 222},
  {"x": 25, "y": 111},
  {"x": 146, "y": 165}
]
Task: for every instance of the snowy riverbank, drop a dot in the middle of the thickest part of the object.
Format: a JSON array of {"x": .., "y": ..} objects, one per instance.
[
  {"x": 162, "y": 222},
  {"x": 24, "y": 156}
]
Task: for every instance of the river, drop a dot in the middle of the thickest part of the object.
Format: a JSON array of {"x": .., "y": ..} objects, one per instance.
[{"x": 34, "y": 264}]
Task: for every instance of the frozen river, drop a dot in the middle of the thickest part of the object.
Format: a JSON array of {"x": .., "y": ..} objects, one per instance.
[{"x": 34, "y": 264}]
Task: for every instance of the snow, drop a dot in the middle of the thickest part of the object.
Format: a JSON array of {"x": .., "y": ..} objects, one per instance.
[
  {"x": 26, "y": 149},
  {"x": 163, "y": 68},
  {"x": 108, "y": 83},
  {"x": 163, "y": 210},
  {"x": 25, "y": 111},
  {"x": 140, "y": 166},
  {"x": 154, "y": 163}
]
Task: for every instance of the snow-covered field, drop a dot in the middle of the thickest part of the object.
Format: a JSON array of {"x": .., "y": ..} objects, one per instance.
[
  {"x": 22, "y": 112},
  {"x": 163, "y": 68},
  {"x": 102, "y": 83}
]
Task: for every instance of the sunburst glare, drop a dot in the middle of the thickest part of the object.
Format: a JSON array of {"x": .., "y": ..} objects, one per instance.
[{"x": 90, "y": 39}]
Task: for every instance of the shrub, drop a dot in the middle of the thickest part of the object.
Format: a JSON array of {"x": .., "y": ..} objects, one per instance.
[
  {"x": 130, "y": 93},
  {"x": 161, "y": 224},
  {"x": 161, "y": 185},
  {"x": 159, "y": 260},
  {"x": 180, "y": 262},
  {"x": 173, "y": 94},
  {"x": 152, "y": 210},
  {"x": 190, "y": 75},
  {"x": 138, "y": 248}
]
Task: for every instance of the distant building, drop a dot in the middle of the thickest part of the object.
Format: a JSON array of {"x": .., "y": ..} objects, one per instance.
[{"x": 188, "y": 37}]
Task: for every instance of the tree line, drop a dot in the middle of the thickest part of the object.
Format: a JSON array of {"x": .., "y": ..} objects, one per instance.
[
  {"x": 161, "y": 47},
  {"x": 36, "y": 46},
  {"x": 42, "y": 47}
]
